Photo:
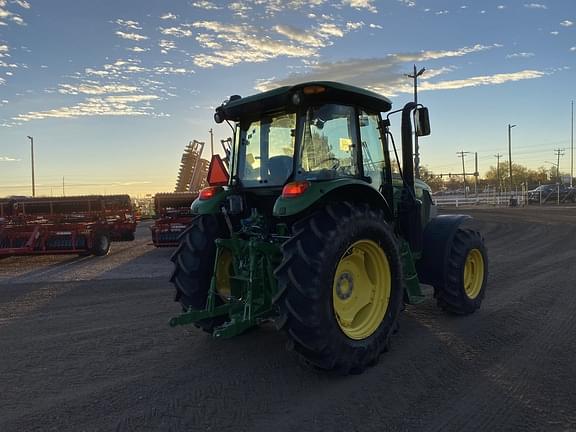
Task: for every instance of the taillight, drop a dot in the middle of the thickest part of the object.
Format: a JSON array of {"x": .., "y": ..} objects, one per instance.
[
  {"x": 295, "y": 189},
  {"x": 209, "y": 192}
]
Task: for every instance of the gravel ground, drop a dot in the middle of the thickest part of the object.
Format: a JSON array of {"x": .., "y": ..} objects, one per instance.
[{"x": 86, "y": 347}]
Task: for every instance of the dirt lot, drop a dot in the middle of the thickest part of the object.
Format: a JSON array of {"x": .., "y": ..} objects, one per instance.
[{"x": 85, "y": 346}]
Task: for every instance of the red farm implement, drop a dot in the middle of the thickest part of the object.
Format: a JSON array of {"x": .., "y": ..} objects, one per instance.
[
  {"x": 36, "y": 226},
  {"x": 173, "y": 215},
  {"x": 120, "y": 217},
  {"x": 67, "y": 225}
]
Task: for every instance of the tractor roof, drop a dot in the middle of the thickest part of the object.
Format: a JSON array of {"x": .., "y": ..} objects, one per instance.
[{"x": 315, "y": 92}]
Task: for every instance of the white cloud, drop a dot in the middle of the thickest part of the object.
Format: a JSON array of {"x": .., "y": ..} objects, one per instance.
[
  {"x": 22, "y": 3},
  {"x": 6, "y": 14},
  {"x": 93, "y": 89},
  {"x": 166, "y": 46},
  {"x": 168, "y": 16},
  {"x": 567, "y": 23},
  {"x": 93, "y": 107},
  {"x": 299, "y": 35},
  {"x": 409, "y": 3},
  {"x": 137, "y": 49},
  {"x": 501, "y": 7},
  {"x": 521, "y": 55},
  {"x": 131, "y": 36},
  {"x": 387, "y": 75},
  {"x": 134, "y": 25},
  {"x": 8, "y": 159},
  {"x": 239, "y": 9},
  {"x": 233, "y": 44},
  {"x": 573, "y": 48},
  {"x": 361, "y": 4},
  {"x": 208, "y": 41},
  {"x": 330, "y": 30},
  {"x": 482, "y": 80},
  {"x": 169, "y": 70},
  {"x": 207, "y": 5},
  {"x": 376, "y": 26},
  {"x": 176, "y": 31},
  {"x": 350, "y": 26},
  {"x": 554, "y": 33},
  {"x": 535, "y": 6}
]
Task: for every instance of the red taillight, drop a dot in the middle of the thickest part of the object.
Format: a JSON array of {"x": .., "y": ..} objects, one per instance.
[
  {"x": 295, "y": 189},
  {"x": 209, "y": 192},
  {"x": 217, "y": 172}
]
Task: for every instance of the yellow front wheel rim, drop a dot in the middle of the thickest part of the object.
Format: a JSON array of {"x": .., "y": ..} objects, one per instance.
[
  {"x": 361, "y": 289},
  {"x": 473, "y": 273}
]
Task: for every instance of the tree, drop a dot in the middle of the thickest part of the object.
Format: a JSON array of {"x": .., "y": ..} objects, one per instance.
[
  {"x": 435, "y": 182},
  {"x": 521, "y": 175}
]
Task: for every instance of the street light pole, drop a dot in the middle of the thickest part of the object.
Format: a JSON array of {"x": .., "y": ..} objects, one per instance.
[
  {"x": 572, "y": 146},
  {"x": 32, "y": 158},
  {"x": 510, "y": 157},
  {"x": 415, "y": 76}
]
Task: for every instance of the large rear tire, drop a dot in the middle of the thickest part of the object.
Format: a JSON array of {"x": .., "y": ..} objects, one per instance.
[
  {"x": 467, "y": 273},
  {"x": 194, "y": 264},
  {"x": 340, "y": 287}
]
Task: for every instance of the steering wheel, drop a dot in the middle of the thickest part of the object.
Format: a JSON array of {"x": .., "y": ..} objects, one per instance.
[{"x": 336, "y": 162}]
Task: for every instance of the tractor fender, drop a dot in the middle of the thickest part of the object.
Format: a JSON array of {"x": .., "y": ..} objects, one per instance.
[
  {"x": 438, "y": 236},
  {"x": 320, "y": 193},
  {"x": 209, "y": 206}
]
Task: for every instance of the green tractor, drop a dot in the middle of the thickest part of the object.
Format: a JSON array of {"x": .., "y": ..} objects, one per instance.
[{"x": 306, "y": 225}]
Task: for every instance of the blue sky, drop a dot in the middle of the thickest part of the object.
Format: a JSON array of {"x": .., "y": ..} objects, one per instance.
[{"x": 112, "y": 91}]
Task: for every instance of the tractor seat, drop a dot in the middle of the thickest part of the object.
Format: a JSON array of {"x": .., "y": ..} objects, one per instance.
[{"x": 279, "y": 168}]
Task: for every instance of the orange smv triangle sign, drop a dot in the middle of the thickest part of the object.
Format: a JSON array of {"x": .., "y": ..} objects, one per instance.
[{"x": 217, "y": 172}]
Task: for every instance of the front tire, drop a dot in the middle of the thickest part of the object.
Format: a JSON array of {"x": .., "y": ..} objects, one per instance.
[
  {"x": 340, "y": 287},
  {"x": 467, "y": 273}
]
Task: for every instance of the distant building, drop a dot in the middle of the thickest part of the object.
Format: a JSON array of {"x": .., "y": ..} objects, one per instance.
[{"x": 193, "y": 169}]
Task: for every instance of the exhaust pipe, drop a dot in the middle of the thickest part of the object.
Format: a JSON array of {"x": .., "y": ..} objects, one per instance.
[{"x": 409, "y": 210}]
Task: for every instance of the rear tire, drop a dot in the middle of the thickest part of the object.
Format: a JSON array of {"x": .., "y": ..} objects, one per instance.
[
  {"x": 194, "y": 264},
  {"x": 467, "y": 273},
  {"x": 330, "y": 262}
]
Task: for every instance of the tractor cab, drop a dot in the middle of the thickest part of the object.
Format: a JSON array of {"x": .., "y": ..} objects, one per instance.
[{"x": 289, "y": 139}]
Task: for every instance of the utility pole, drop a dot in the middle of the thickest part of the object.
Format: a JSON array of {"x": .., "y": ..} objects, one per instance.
[
  {"x": 32, "y": 157},
  {"x": 572, "y": 146},
  {"x": 510, "y": 159},
  {"x": 476, "y": 173},
  {"x": 498, "y": 156},
  {"x": 211, "y": 142},
  {"x": 415, "y": 76},
  {"x": 461, "y": 154},
  {"x": 558, "y": 152}
]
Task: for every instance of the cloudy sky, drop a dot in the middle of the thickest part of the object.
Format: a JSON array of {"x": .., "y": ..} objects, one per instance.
[{"x": 112, "y": 91}]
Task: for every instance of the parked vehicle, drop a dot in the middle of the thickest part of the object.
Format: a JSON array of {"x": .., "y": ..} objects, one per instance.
[{"x": 551, "y": 193}]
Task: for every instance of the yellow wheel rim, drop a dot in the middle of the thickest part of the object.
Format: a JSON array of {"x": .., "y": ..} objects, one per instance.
[
  {"x": 473, "y": 273},
  {"x": 361, "y": 289},
  {"x": 224, "y": 270}
]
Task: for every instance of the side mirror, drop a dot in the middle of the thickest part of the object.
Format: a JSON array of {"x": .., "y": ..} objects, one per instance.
[{"x": 422, "y": 121}]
